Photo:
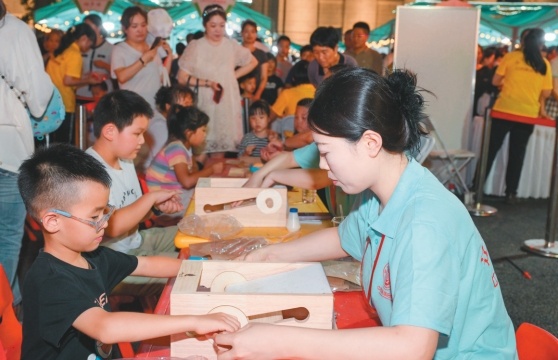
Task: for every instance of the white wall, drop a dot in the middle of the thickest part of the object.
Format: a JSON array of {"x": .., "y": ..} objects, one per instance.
[{"x": 439, "y": 45}]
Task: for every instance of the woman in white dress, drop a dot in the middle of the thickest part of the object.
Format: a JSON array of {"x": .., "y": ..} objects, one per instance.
[{"x": 209, "y": 63}]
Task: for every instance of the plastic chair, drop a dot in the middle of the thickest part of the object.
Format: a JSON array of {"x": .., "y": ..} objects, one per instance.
[
  {"x": 535, "y": 343},
  {"x": 10, "y": 328}
]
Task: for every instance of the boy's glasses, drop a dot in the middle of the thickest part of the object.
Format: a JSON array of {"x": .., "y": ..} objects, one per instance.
[{"x": 97, "y": 225}]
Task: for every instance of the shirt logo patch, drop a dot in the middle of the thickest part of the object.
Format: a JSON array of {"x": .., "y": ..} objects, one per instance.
[
  {"x": 385, "y": 289},
  {"x": 484, "y": 256},
  {"x": 102, "y": 300}
]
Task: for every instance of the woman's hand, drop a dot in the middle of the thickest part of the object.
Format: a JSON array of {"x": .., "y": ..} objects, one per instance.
[
  {"x": 149, "y": 55},
  {"x": 165, "y": 45},
  {"x": 254, "y": 341},
  {"x": 214, "y": 85}
]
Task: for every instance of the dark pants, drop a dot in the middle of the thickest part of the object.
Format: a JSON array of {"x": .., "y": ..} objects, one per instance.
[
  {"x": 519, "y": 136},
  {"x": 65, "y": 133}
]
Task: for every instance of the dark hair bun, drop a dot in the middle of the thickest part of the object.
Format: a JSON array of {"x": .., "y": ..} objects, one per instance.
[{"x": 403, "y": 86}]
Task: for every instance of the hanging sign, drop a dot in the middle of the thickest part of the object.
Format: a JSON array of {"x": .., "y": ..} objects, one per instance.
[
  {"x": 93, "y": 5},
  {"x": 225, "y": 4}
]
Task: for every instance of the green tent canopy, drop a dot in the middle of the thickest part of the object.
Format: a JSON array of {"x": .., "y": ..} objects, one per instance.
[
  {"x": 64, "y": 14},
  {"x": 498, "y": 21}
]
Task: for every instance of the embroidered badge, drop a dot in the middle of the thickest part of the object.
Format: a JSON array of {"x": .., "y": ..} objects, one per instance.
[
  {"x": 385, "y": 289},
  {"x": 484, "y": 256}
]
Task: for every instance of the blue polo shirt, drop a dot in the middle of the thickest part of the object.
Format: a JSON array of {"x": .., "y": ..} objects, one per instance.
[
  {"x": 308, "y": 157},
  {"x": 433, "y": 270}
]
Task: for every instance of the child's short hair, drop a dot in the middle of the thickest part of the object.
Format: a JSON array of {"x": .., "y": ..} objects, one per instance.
[
  {"x": 102, "y": 85},
  {"x": 259, "y": 107},
  {"x": 48, "y": 179},
  {"x": 271, "y": 57},
  {"x": 180, "y": 119},
  {"x": 163, "y": 97},
  {"x": 181, "y": 91},
  {"x": 119, "y": 107},
  {"x": 250, "y": 75},
  {"x": 305, "y": 102}
]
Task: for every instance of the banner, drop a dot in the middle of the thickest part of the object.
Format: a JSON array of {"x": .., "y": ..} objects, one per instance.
[
  {"x": 225, "y": 4},
  {"x": 93, "y": 5}
]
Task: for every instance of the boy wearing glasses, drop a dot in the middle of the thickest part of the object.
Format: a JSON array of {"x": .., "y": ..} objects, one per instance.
[
  {"x": 119, "y": 123},
  {"x": 67, "y": 315}
]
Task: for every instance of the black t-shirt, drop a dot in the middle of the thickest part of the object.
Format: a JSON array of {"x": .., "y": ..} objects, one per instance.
[
  {"x": 56, "y": 293},
  {"x": 274, "y": 83}
]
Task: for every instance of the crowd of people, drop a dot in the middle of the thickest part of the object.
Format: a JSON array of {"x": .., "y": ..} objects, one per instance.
[{"x": 170, "y": 120}]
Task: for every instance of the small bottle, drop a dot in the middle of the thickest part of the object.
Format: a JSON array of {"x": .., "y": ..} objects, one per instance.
[{"x": 293, "y": 223}]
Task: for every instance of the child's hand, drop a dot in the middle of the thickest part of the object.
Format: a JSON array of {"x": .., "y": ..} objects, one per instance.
[
  {"x": 168, "y": 201},
  {"x": 249, "y": 149},
  {"x": 218, "y": 167},
  {"x": 273, "y": 136},
  {"x": 217, "y": 322}
]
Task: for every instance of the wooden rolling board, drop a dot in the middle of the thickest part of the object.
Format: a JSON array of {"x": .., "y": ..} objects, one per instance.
[{"x": 272, "y": 234}]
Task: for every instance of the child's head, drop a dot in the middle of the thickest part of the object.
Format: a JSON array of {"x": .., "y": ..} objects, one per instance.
[
  {"x": 187, "y": 124},
  {"x": 163, "y": 99},
  {"x": 301, "y": 115},
  {"x": 259, "y": 115},
  {"x": 120, "y": 108},
  {"x": 183, "y": 95},
  {"x": 62, "y": 178},
  {"x": 99, "y": 90},
  {"x": 271, "y": 64},
  {"x": 121, "y": 117},
  {"x": 247, "y": 83}
]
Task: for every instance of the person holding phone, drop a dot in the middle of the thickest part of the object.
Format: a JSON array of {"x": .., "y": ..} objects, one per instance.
[
  {"x": 213, "y": 64},
  {"x": 135, "y": 64}
]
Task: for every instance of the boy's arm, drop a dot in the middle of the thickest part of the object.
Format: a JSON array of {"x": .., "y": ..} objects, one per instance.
[
  {"x": 110, "y": 328},
  {"x": 157, "y": 266},
  {"x": 299, "y": 140},
  {"x": 285, "y": 160},
  {"x": 128, "y": 217}
]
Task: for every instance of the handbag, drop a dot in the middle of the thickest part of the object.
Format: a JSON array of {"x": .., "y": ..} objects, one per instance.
[{"x": 53, "y": 116}]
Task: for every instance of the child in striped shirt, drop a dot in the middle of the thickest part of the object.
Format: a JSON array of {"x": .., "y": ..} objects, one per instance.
[
  {"x": 174, "y": 166},
  {"x": 259, "y": 137}
]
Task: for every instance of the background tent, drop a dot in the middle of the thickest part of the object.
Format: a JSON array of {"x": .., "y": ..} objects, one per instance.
[
  {"x": 64, "y": 14},
  {"x": 499, "y": 23}
]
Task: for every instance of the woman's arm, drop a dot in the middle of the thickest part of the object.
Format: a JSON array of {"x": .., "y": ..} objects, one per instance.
[
  {"x": 192, "y": 81},
  {"x": 302, "y": 178},
  {"x": 542, "y": 101},
  {"x": 124, "y": 74},
  {"x": 263, "y": 81},
  {"x": 243, "y": 70},
  {"x": 285, "y": 160},
  {"x": 317, "y": 246},
  {"x": 73, "y": 81},
  {"x": 497, "y": 80},
  {"x": 260, "y": 341},
  {"x": 299, "y": 140}
]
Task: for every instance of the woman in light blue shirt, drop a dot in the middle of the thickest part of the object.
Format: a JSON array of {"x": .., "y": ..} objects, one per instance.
[{"x": 425, "y": 267}]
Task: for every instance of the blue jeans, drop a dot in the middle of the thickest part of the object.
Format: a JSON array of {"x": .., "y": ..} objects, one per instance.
[{"x": 12, "y": 218}]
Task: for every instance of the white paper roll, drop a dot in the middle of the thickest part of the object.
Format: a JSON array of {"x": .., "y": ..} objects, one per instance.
[{"x": 268, "y": 201}]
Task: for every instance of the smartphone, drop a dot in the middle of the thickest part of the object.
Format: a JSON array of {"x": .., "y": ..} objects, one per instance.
[
  {"x": 217, "y": 94},
  {"x": 156, "y": 42}
]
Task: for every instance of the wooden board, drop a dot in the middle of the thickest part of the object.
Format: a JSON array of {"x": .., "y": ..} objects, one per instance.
[
  {"x": 214, "y": 191},
  {"x": 256, "y": 301}
]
